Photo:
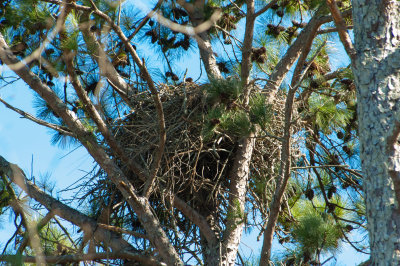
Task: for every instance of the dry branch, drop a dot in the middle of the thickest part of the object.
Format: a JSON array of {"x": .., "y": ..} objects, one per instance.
[
  {"x": 61, "y": 129},
  {"x": 89, "y": 225}
]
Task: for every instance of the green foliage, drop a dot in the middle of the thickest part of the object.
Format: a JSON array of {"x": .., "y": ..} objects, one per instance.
[
  {"x": 43, "y": 110},
  {"x": 260, "y": 111},
  {"x": 326, "y": 114},
  {"x": 16, "y": 260},
  {"x": 53, "y": 241},
  {"x": 5, "y": 196},
  {"x": 71, "y": 41},
  {"x": 315, "y": 232},
  {"x": 63, "y": 141},
  {"x": 313, "y": 4},
  {"x": 271, "y": 56},
  {"x": 227, "y": 115},
  {"x": 224, "y": 90},
  {"x": 236, "y": 122}
]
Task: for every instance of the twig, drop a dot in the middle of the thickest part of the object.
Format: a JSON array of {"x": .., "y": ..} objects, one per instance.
[
  {"x": 122, "y": 231},
  {"x": 39, "y": 225},
  {"x": 320, "y": 166},
  {"x": 63, "y": 130}
]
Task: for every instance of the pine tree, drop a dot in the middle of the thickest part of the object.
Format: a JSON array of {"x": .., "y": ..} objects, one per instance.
[{"x": 183, "y": 165}]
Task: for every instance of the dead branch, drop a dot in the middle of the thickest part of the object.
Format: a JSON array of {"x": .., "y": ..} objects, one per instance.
[{"x": 63, "y": 130}]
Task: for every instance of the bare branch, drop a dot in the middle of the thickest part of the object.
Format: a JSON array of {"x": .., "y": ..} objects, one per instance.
[
  {"x": 94, "y": 114},
  {"x": 265, "y": 8},
  {"x": 321, "y": 166},
  {"x": 341, "y": 26},
  {"x": 140, "y": 205},
  {"x": 17, "y": 176},
  {"x": 240, "y": 171},
  {"x": 285, "y": 167},
  {"x": 63, "y": 130},
  {"x": 247, "y": 48},
  {"x": 330, "y": 30},
  {"x": 197, "y": 219},
  {"x": 156, "y": 98},
  {"x": 237, "y": 191},
  {"x": 144, "y": 21},
  {"x": 122, "y": 231},
  {"x": 306, "y": 36},
  {"x": 45, "y": 220},
  {"x": 196, "y": 15}
]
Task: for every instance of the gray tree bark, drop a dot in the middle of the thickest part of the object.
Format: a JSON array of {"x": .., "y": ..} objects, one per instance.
[{"x": 377, "y": 76}]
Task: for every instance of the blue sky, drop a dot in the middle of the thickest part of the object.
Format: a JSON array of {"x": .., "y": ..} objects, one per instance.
[{"x": 21, "y": 140}]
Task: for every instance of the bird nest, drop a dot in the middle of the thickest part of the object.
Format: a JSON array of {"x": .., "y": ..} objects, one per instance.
[{"x": 194, "y": 167}]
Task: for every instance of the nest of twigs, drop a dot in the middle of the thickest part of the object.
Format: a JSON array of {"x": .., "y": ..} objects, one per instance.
[{"x": 193, "y": 167}]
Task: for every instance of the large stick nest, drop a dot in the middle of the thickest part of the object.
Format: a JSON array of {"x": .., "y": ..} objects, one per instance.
[{"x": 195, "y": 168}]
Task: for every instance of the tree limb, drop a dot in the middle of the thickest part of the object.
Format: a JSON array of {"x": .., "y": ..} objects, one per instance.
[
  {"x": 294, "y": 51},
  {"x": 285, "y": 167},
  {"x": 56, "y": 207},
  {"x": 342, "y": 29},
  {"x": 63, "y": 130},
  {"x": 265, "y": 8},
  {"x": 241, "y": 166},
  {"x": 196, "y": 15},
  {"x": 45, "y": 220},
  {"x": 247, "y": 49},
  {"x": 140, "y": 205},
  {"x": 154, "y": 92}
]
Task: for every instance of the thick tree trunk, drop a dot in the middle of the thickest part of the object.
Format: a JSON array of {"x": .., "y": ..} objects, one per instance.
[
  {"x": 238, "y": 188},
  {"x": 377, "y": 36}
]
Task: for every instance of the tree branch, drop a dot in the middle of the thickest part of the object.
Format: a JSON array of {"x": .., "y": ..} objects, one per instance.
[
  {"x": 285, "y": 167},
  {"x": 241, "y": 166},
  {"x": 294, "y": 51},
  {"x": 45, "y": 220},
  {"x": 342, "y": 30},
  {"x": 247, "y": 49},
  {"x": 63, "y": 130},
  {"x": 330, "y": 30},
  {"x": 265, "y": 8},
  {"x": 139, "y": 205},
  {"x": 89, "y": 225},
  {"x": 144, "y": 21},
  {"x": 154, "y": 92},
  {"x": 122, "y": 231},
  {"x": 196, "y": 15}
]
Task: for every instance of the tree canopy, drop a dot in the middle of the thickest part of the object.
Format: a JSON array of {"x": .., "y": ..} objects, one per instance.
[{"x": 265, "y": 136}]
